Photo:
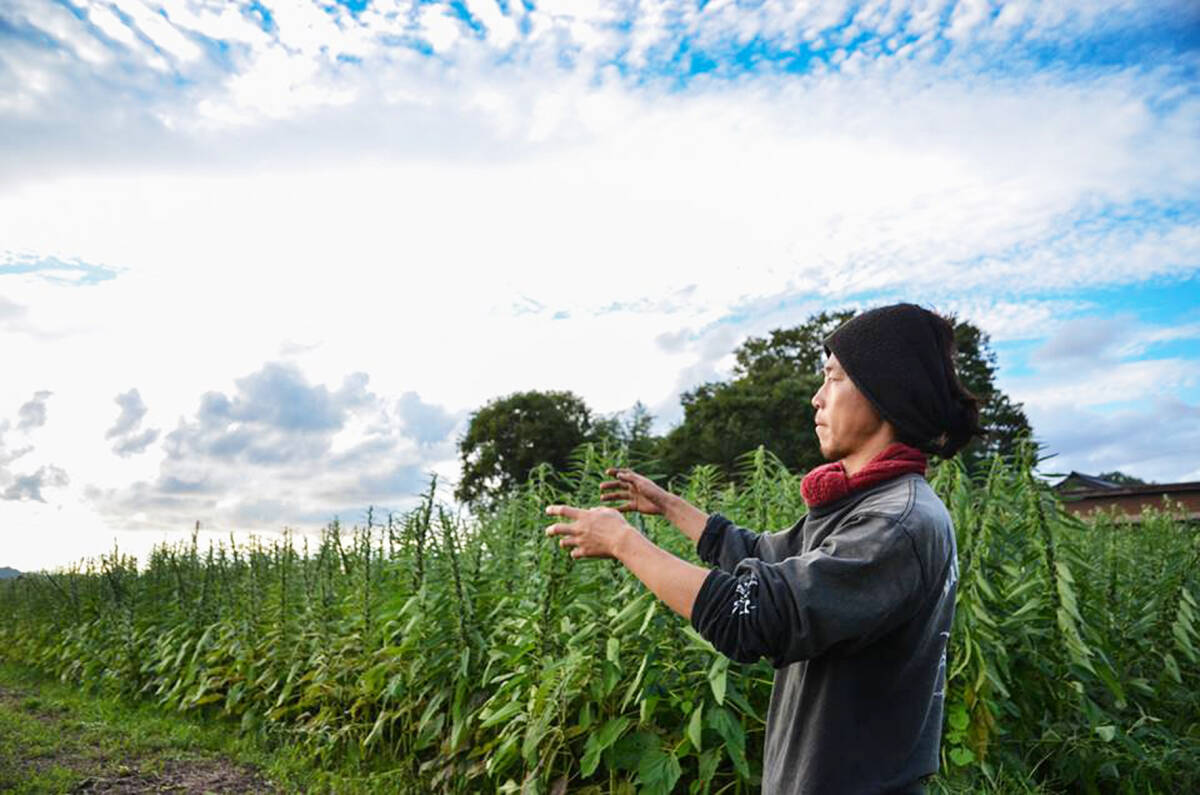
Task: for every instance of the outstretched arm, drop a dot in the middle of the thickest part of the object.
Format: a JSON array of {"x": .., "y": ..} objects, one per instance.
[{"x": 603, "y": 532}]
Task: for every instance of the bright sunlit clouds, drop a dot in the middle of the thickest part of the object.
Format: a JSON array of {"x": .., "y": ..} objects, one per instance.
[{"x": 266, "y": 259}]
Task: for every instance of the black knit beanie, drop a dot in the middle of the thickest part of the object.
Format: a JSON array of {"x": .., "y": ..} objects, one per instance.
[{"x": 896, "y": 356}]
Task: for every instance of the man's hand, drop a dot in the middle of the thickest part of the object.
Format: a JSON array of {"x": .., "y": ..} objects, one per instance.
[
  {"x": 640, "y": 493},
  {"x": 595, "y": 533},
  {"x": 604, "y": 533}
]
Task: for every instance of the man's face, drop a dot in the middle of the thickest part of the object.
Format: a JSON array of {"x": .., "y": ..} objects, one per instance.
[{"x": 845, "y": 418}]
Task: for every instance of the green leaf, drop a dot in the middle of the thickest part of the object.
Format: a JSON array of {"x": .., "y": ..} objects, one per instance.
[
  {"x": 208, "y": 698},
  {"x": 725, "y": 724},
  {"x": 591, "y": 757},
  {"x": 962, "y": 756},
  {"x": 1106, "y": 733},
  {"x": 376, "y": 729},
  {"x": 628, "y": 751},
  {"x": 1172, "y": 668},
  {"x": 493, "y": 718},
  {"x": 694, "y": 726},
  {"x": 535, "y": 732},
  {"x": 613, "y": 651},
  {"x": 610, "y": 731},
  {"x": 708, "y": 764},
  {"x": 609, "y": 677},
  {"x": 626, "y": 613},
  {"x": 650, "y": 611},
  {"x": 646, "y": 708},
  {"x": 598, "y": 741},
  {"x": 631, "y": 691},
  {"x": 658, "y": 771},
  {"x": 718, "y": 674},
  {"x": 958, "y": 717}
]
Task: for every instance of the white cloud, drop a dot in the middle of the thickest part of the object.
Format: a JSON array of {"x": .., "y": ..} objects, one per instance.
[
  {"x": 33, "y": 476},
  {"x": 1112, "y": 383},
  {"x": 1101, "y": 397},
  {"x": 501, "y": 29},
  {"x": 29, "y": 486},
  {"x": 32, "y": 414},
  {"x": 1096, "y": 341},
  {"x": 439, "y": 27},
  {"x": 161, "y": 33},
  {"x": 219, "y": 21},
  {"x": 103, "y": 18},
  {"x": 276, "y": 85},
  {"x": 129, "y": 440},
  {"x": 1156, "y": 443},
  {"x": 7, "y": 455},
  {"x": 1007, "y": 320},
  {"x": 64, "y": 27},
  {"x": 282, "y": 451}
]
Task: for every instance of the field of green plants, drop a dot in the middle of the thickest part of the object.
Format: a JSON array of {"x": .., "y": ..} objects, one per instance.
[{"x": 440, "y": 652}]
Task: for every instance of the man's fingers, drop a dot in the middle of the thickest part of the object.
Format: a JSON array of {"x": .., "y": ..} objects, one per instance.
[
  {"x": 565, "y": 510},
  {"x": 559, "y": 530}
]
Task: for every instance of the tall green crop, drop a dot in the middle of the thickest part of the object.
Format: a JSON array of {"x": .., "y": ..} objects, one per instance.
[{"x": 452, "y": 653}]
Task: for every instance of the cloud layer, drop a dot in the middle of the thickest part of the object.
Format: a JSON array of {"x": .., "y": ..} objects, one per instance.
[
  {"x": 316, "y": 236},
  {"x": 130, "y": 440},
  {"x": 280, "y": 450},
  {"x": 27, "y": 485}
]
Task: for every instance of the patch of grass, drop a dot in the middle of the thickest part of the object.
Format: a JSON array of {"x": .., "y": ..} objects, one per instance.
[{"x": 58, "y": 738}]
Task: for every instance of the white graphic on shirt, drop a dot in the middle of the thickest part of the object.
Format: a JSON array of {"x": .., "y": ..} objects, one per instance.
[
  {"x": 951, "y": 579},
  {"x": 742, "y": 605}
]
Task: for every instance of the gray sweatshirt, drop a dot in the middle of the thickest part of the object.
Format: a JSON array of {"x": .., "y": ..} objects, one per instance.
[{"x": 853, "y": 606}]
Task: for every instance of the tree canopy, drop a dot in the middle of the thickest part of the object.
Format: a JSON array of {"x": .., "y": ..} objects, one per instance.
[
  {"x": 767, "y": 401},
  {"x": 511, "y": 435},
  {"x": 1121, "y": 479}
]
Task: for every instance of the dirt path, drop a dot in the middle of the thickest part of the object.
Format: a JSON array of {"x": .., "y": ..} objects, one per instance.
[
  {"x": 205, "y": 775},
  {"x": 50, "y": 744}
]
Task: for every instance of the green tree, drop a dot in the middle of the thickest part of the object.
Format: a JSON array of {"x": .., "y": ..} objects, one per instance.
[
  {"x": 1003, "y": 420},
  {"x": 511, "y": 435},
  {"x": 1121, "y": 479},
  {"x": 631, "y": 432},
  {"x": 768, "y": 401}
]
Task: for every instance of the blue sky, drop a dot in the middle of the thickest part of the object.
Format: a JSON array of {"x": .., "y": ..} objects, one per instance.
[{"x": 260, "y": 261}]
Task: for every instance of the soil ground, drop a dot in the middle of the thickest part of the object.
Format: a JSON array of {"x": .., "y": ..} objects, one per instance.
[{"x": 54, "y": 740}]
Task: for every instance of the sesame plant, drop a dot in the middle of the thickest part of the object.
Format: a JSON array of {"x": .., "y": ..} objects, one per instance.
[{"x": 439, "y": 650}]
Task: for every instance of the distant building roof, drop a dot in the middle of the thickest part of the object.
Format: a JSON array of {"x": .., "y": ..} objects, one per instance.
[
  {"x": 1086, "y": 493},
  {"x": 1077, "y": 481}
]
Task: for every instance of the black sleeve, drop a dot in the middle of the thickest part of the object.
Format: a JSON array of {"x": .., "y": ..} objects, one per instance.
[
  {"x": 724, "y": 544},
  {"x": 864, "y": 580}
]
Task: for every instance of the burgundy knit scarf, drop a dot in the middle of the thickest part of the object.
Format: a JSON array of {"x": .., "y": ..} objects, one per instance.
[{"x": 829, "y": 482}]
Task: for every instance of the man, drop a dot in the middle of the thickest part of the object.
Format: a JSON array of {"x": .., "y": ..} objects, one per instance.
[{"x": 853, "y": 604}]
